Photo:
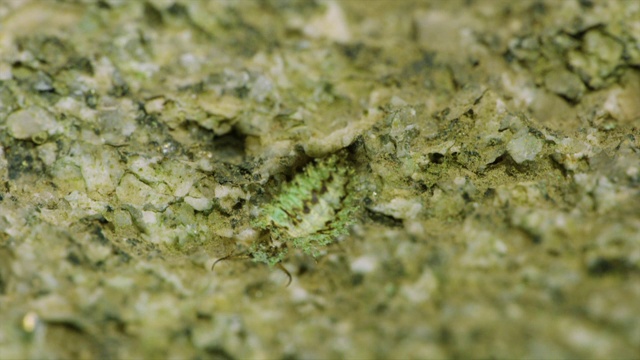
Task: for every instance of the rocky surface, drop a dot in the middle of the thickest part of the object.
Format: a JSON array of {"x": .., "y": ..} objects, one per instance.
[{"x": 494, "y": 148}]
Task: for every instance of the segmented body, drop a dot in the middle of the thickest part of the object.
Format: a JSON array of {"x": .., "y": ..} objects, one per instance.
[{"x": 309, "y": 212}]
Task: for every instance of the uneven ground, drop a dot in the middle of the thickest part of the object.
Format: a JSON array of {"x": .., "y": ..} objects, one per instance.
[{"x": 496, "y": 178}]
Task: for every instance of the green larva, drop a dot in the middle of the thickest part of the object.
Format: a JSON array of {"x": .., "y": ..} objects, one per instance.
[{"x": 308, "y": 213}]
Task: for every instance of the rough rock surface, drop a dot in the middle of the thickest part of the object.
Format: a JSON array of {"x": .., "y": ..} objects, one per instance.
[{"x": 494, "y": 147}]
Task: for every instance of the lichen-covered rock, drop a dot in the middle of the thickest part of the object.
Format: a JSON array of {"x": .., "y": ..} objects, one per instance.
[
  {"x": 524, "y": 148},
  {"x": 399, "y": 208},
  {"x": 132, "y": 191},
  {"x": 565, "y": 84},
  {"x": 198, "y": 203},
  {"x": 598, "y": 60},
  {"x": 492, "y": 147},
  {"x": 228, "y": 196},
  {"x": 33, "y": 123}
]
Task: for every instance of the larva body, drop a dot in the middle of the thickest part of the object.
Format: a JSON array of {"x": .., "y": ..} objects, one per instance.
[{"x": 309, "y": 212}]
